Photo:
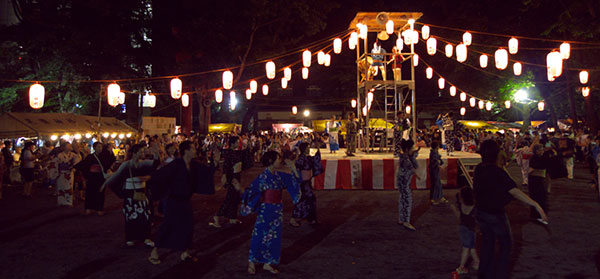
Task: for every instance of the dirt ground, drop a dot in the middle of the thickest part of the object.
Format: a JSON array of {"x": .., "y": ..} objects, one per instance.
[{"x": 358, "y": 238}]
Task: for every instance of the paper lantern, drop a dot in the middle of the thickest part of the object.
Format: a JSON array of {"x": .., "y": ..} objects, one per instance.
[
  {"x": 441, "y": 83},
  {"x": 452, "y": 91},
  {"x": 431, "y": 46},
  {"x": 270, "y": 69},
  {"x": 554, "y": 63},
  {"x": 37, "y": 93},
  {"x": 219, "y": 96},
  {"x": 501, "y": 56},
  {"x": 507, "y": 104},
  {"x": 467, "y": 38},
  {"x": 541, "y": 106},
  {"x": 364, "y": 111},
  {"x": 449, "y": 49},
  {"x": 517, "y": 68},
  {"x": 294, "y": 110},
  {"x": 415, "y": 37},
  {"x": 284, "y": 82},
  {"x": 176, "y": 86},
  {"x": 513, "y": 45},
  {"x": 265, "y": 89},
  {"x": 248, "y": 94},
  {"x": 287, "y": 73},
  {"x": 185, "y": 100},
  {"x": 429, "y": 72},
  {"x": 327, "y": 60},
  {"x": 483, "y": 61},
  {"x": 370, "y": 96},
  {"x": 320, "y": 57},
  {"x": 565, "y": 50},
  {"x": 551, "y": 76},
  {"x": 121, "y": 98},
  {"x": 415, "y": 60},
  {"x": 227, "y": 79},
  {"x": 306, "y": 113},
  {"x": 304, "y": 73},
  {"x": 411, "y": 37},
  {"x": 399, "y": 44},
  {"x": 481, "y": 104},
  {"x": 151, "y": 100},
  {"x": 411, "y": 22},
  {"x": 337, "y": 45},
  {"x": 389, "y": 26},
  {"x": 463, "y": 110},
  {"x": 425, "y": 32},
  {"x": 363, "y": 30},
  {"x": 463, "y": 96},
  {"x": 472, "y": 102},
  {"x": 407, "y": 109},
  {"x": 353, "y": 41},
  {"x": 353, "y": 103},
  {"x": 306, "y": 58},
  {"x": 232, "y": 100},
  {"x": 488, "y": 106},
  {"x": 583, "y": 77},
  {"x": 253, "y": 86},
  {"x": 585, "y": 91},
  {"x": 113, "y": 94},
  {"x": 461, "y": 53}
]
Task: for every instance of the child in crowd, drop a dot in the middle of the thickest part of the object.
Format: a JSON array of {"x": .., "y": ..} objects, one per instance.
[
  {"x": 435, "y": 162},
  {"x": 464, "y": 210}
]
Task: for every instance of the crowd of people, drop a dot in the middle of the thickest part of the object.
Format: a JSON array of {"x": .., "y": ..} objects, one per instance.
[{"x": 157, "y": 176}]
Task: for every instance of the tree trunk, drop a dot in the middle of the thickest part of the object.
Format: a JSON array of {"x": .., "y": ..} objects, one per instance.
[
  {"x": 204, "y": 117},
  {"x": 572, "y": 105},
  {"x": 592, "y": 117}
]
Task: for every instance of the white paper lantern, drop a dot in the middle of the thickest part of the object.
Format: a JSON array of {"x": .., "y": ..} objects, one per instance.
[
  {"x": 429, "y": 72},
  {"x": 472, "y": 102},
  {"x": 337, "y": 45},
  {"x": 304, "y": 73},
  {"x": 452, "y": 91},
  {"x": 227, "y": 79},
  {"x": 265, "y": 89},
  {"x": 415, "y": 60},
  {"x": 151, "y": 100},
  {"x": 461, "y": 52},
  {"x": 327, "y": 60},
  {"x": 248, "y": 94},
  {"x": 425, "y": 32},
  {"x": 517, "y": 68},
  {"x": 483, "y": 61},
  {"x": 185, "y": 100},
  {"x": 113, "y": 94},
  {"x": 232, "y": 100},
  {"x": 399, "y": 44},
  {"x": 467, "y": 38},
  {"x": 253, "y": 86},
  {"x": 306, "y": 113},
  {"x": 513, "y": 45},
  {"x": 364, "y": 111},
  {"x": 507, "y": 104},
  {"x": 449, "y": 49},
  {"x": 287, "y": 73},
  {"x": 488, "y": 106},
  {"x": 583, "y": 77},
  {"x": 270, "y": 69},
  {"x": 481, "y": 104},
  {"x": 219, "y": 96},
  {"x": 284, "y": 82},
  {"x": 37, "y": 94},
  {"x": 306, "y": 58},
  {"x": 407, "y": 109},
  {"x": 363, "y": 30},
  {"x": 294, "y": 110},
  {"x": 353, "y": 41},
  {"x": 541, "y": 106},
  {"x": 370, "y": 96},
  {"x": 320, "y": 57},
  {"x": 176, "y": 87},
  {"x": 585, "y": 91},
  {"x": 551, "y": 76},
  {"x": 441, "y": 83},
  {"x": 501, "y": 57},
  {"x": 463, "y": 110},
  {"x": 353, "y": 103},
  {"x": 431, "y": 46},
  {"x": 389, "y": 26},
  {"x": 121, "y": 98},
  {"x": 554, "y": 62},
  {"x": 415, "y": 37},
  {"x": 463, "y": 96},
  {"x": 565, "y": 50}
]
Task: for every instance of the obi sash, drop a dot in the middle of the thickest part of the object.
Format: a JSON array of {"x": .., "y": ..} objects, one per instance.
[{"x": 272, "y": 196}]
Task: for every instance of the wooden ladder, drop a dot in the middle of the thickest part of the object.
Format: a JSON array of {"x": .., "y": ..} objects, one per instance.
[{"x": 468, "y": 170}]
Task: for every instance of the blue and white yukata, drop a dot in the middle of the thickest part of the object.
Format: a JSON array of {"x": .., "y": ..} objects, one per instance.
[{"x": 406, "y": 170}]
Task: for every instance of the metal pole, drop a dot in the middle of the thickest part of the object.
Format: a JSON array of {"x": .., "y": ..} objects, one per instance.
[
  {"x": 368, "y": 137},
  {"x": 358, "y": 102},
  {"x": 413, "y": 98},
  {"x": 99, "y": 111}
]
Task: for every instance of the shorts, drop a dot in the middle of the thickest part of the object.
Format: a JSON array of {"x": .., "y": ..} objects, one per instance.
[
  {"x": 467, "y": 237},
  {"x": 27, "y": 174}
]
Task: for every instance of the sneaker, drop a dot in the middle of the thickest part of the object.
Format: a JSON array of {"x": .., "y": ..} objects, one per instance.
[
  {"x": 462, "y": 270},
  {"x": 149, "y": 243},
  {"x": 542, "y": 221}
]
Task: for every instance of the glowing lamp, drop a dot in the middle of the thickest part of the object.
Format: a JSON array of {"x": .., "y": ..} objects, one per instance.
[
  {"x": 517, "y": 68},
  {"x": 337, "y": 45},
  {"x": 585, "y": 91},
  {"x": 431, "y": 46},
  {"x": 128, "y": 135},
  {"x": 121, "y": 98},
  {"x": 389, "y": 26},
  {"x": 441, "y": 83},
  {"x": 151, "y": 100},
  {"x": 53, "y": 137},
  {"x": 407, "y": 109},
  {"x": 399, "y": 43},
  {"x": 483, "y": 61},
  {"x": 219, "y": 96},
  {"x": 452, "y": 91},
  {"x": 113, "y": 135},
  {"x": 541, "y": 106},
  {"x": 320, "y": 57},
  {"x": 472, "y": 102},
  {"x": 481, "y": 104},
  {"x": 507, "y": 104},
  {"x": 364, "y": 111},
  {"x": 106, "y": 135},
  {"x": 352, "y": 42},
  {"x": 327, "y": 60},
  {"x": 583, "y": 77},
  {"x": 227, "y": 79},
  {"x": 488, "y": 106},
  {"x": 513, "y": 45},
  {"x": 232, "y": 100},
  {"x": 88, "y": 135},
  {"x": 415, "y": 60},
  {"x": 121, "y": 136},
  {"x": 254, "y": 86},
  {"x": 270, "y": 69},
  {"x": 77, "y": 136},
  {"x": 463, "y": 110},
  {"x": 411, "y": 22},
  {"x": 415, "y": 37},
  {"x": 554, "y": 63},
  {"x": 467, "y": 38},
  {"x": 113, "y": 94},
  {"x": 449, "y": 49},
  {"x": 284, "y": 83},
  {"x": 248, "y": 94},
  {"x": 501, "y": 57},
  {"x": 425, "y": 32},
  {"x": 294, "y": 110},
  {"x": 36, "y": 96},
  {"x": 353, "y": 103},
  {"x": 429, "y": 72},
  {"x": 176, "y": 86},
  {"x": 461, "y": 53},
  {"x": 565, "y": 50},
  {"x": 306, "y": 113},
  {"x": 265, "y": 89},
  {"x": 370, "y": 96},
  {"x": 304, "y": 73},
  {"x": 363, "y": 29},
  {"x": 463, "y": 96}
]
